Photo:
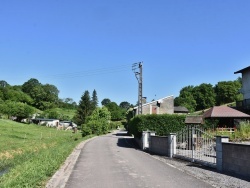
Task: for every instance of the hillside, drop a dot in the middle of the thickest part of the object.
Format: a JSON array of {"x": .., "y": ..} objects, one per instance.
[{"x": 30, "y": 154}]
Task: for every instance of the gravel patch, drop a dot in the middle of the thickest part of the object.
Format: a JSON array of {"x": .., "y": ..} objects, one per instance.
[{"x": 206, "y": 174}]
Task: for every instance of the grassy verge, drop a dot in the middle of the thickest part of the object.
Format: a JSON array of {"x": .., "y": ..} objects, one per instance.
[{"x": 31, "y": 154}]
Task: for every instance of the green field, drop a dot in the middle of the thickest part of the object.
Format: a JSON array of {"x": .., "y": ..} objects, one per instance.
[
  {"x": 30, "y": 154},
  {"x": 66, "y": 112}
]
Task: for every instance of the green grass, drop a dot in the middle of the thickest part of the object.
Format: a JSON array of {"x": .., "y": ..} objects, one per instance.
[
  {"x": 66, "y": 112},
  {"x": 31, "y": 154}
]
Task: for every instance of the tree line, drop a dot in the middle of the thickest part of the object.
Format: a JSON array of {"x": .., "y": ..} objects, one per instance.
[
  {"x": 23, "y": 100},
  {"x": 203, "y": 96}
]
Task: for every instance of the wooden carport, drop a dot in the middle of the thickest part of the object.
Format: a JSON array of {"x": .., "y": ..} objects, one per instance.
[{"x": 226, "y": 115}]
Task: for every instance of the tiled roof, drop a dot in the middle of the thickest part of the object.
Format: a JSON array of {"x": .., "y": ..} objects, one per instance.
[
  {"x": 194, "y": 120},
  {"x": 180, "y": 109},
  {"x": 224, "y": 111}
]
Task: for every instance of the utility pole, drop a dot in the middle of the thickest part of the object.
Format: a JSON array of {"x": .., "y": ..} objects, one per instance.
[{"x": 138, "y": 76}]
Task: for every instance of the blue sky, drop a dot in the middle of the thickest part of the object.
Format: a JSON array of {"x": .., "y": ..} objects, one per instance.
[{"x": 83, "y": 45}]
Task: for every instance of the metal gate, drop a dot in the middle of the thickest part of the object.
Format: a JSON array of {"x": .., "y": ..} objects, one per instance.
[{"x": 195, "y": 145}]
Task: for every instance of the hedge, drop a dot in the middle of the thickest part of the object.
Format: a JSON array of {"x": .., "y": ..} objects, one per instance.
[{"x": 162, "y": 124}]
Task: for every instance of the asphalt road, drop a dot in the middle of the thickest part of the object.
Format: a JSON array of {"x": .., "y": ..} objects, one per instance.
[{"x": 113, "y": 161}]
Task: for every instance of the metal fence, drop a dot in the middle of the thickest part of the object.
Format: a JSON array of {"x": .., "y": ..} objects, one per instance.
[{"x": 194, "y": 144}]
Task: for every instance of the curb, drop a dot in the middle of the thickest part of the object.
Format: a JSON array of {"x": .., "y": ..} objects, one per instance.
[{"x": 60, "y": 178}]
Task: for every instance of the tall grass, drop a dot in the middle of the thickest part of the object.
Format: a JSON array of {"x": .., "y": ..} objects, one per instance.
[{"x": 30, "y": 154}]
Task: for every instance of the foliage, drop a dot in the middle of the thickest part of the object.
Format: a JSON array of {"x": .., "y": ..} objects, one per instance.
[
  {"x": 115, "y": 124},
  {"x": 186, "y": 99},
  {"x": 16, "y": 109},
  {"x": 94, "y": 100},
  {"x": 32, "y": 154},
  {"x": 51, "y": 114},
  {"x": 116, "y": 111},
  {"x": 86, "y": 130},
  {"x": 98, "y": 122},
  {"x": 67, "y": 103},
  {"x": 102, "y": 114},
  {"x": 162, "y": 124},
  {"x": 3, "y": 84},
  {"x": 125, "y": 105},
  {"x": 44, "y": 96},
  {"x": 204, "y": 96},
  {"x": 105, "y": 101},
  {"x": 84, "y": 109},
  {"x": 227, "y": 92}
]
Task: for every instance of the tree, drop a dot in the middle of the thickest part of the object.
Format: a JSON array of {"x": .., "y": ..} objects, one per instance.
[
  {"x": 105, "y": 101},
  {"x": 115, "y": 110},
  {"x": 227, "y": 92},
  {"x": 84, "y": 109},
  {"x": 16, "y": 109},
  {"x": 30, "y": 84},
  {"x": 51, "y": 93},
  {"x": 3, "y": 83},
  {"x": 94, "y": 100},
  {"x": 186, "y": 99},
  {"x": 125, "y": 105},
  {"x": 97, "y": 122},
  {"x": 204, "y": 96}
]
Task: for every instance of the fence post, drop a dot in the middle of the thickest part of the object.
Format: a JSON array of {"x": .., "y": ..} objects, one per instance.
[
  {"x": 219, "y": 154},
  {"x": 171, "y": 144}
]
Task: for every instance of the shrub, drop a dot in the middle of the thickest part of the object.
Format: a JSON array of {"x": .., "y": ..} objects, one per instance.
[
  {"x": 114, "y": 125},
  {"x": 162, "y": 124},
  {"x": 86, "y": 130}
]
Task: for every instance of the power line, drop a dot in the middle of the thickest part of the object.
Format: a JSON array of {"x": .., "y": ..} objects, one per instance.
[{"x": 93, "y": 72}]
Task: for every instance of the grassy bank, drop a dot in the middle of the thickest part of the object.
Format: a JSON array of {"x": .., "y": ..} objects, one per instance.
[{"x": 30, "y": 154}]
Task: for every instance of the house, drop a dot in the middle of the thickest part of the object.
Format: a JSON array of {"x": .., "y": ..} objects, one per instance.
[
  {"x": 161, "y": 106},
  {"x": 244, "y": 105}
]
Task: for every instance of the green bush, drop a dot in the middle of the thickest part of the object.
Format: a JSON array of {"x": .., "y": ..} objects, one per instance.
[
  {"x": 162, "y": 124},
  {"x": 86, "y": 130},
  {"x": 114, "y": 125}
]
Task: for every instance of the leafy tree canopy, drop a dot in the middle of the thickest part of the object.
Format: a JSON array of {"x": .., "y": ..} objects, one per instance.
[
  {"x": 227, "y": 92},
  {"x": 115, "y": 110},
  {"x": 105, "y": 101},
  {"x": 125, "y": 105}
]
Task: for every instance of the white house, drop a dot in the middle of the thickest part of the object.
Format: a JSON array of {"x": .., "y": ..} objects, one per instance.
[{"x": 161, "y": 106}]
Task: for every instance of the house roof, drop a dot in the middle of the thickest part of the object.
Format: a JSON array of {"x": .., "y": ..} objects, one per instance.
[
  {"x": 242, "y": 70},
  {"x": 224, "y": 112},
  {"x": 180, "y": 109},
  {"x": 154, "y": 101},
  {"x": 194, "y": 120}
]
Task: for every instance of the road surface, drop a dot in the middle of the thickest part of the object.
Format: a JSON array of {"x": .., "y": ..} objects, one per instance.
[{"x": 112, "y": 161}]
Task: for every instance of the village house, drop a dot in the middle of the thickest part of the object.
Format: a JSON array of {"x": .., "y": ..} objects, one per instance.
[
  {"x": 244, "y": 105},
  {"x": 160, "y": 106}
]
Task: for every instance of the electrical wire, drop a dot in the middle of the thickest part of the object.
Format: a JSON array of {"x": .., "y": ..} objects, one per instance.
[{"x": 93, "y": 72}]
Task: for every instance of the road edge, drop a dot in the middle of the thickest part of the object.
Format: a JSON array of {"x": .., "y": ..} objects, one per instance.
[{"x": 60, "y": 178}]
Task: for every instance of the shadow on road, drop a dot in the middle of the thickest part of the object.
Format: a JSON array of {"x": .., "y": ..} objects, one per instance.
[{"x": 121, "y": 134}]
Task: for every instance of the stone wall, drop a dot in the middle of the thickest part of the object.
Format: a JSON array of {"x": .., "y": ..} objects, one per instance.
[
  {"x": 159, "y": 145},
  {"x": 236, "y": 158}
]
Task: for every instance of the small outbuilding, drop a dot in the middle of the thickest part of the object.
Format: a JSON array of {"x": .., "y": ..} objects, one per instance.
[{"x": 226, "y": 115}]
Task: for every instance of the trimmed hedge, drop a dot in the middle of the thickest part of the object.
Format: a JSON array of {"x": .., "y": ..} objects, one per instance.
[{"x": 162, "y": 124}]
